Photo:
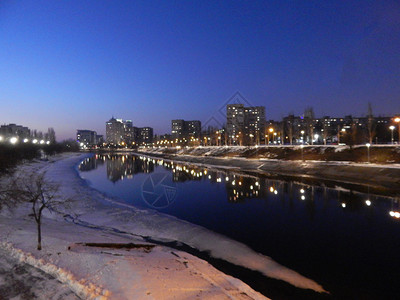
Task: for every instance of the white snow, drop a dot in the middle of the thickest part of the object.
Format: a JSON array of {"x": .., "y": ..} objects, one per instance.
[
  {"x": 129, "y": 274},
  {"x": 216, "y": 151}
]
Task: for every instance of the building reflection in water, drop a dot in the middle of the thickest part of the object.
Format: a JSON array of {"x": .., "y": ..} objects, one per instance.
[
  {"x": 243, "y": 187},
  {"x": 119, "y": 167},
  {"x": 91, "y": 163}
]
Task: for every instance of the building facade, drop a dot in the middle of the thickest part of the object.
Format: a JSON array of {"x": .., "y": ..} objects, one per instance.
[
  {"x": 145, "y": 136},
  {"x": 235, "y": 123},
  {"x": 245, "y": 125},
  {"x": 86, "y": 137},
  {"x": 13, "y": 130},
  {"x": 123, "y": 133},
  {"x": 254, "y": 125},
  {"x": 181, "y": 129},
  {"x": 177, "y": 129},
  {"x": 115, "y": 131},
  {"x": 193, "y": 128},
  {"x": 336, "y": 130}
]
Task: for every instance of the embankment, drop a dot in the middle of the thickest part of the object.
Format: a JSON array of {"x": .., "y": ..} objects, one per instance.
[{"x": 384, "y": 175}]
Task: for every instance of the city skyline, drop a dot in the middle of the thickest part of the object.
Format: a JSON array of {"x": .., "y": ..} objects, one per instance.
[{"x": 72, "y": 66}]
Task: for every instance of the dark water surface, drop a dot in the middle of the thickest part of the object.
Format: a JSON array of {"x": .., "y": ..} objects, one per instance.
[{"x": 346, "y": 240}]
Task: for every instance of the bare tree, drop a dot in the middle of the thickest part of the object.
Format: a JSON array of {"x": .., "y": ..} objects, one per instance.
[
  {"x": 281, "y": 133},
  {"x": 371, "y": 124},
  {"x": 325, "y": 129},
  {"x": 309, "y": 120},
  {"x": 51, "y": 135},
  {"x": 225, "y": 136},
  {"x": 5, "y": 199},
  {"x": 43, "y": 194},
  {"x": 288, "y": 127}
]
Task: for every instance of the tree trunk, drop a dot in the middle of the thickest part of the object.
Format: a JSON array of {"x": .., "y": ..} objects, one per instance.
[
  {"x": 39, "y": 229},
  {"x": 312, "y": 134}
]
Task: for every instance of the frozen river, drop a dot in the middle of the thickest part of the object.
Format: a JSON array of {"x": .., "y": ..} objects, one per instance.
[{"x": 344, "y": 237}]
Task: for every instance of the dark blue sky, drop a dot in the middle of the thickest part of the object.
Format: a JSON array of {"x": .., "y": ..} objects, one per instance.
[{"x": 74, "y": 64}]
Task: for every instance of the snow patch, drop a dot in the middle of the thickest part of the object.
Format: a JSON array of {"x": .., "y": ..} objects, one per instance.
[{"x": 82, "y": 288}]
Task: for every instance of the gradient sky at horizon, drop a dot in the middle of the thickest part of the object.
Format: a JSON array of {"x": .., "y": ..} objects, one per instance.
[{"x": 74, "y": 64}]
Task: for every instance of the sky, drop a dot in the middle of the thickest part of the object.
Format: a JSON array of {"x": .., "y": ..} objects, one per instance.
[{"x": 74, "y": 64}]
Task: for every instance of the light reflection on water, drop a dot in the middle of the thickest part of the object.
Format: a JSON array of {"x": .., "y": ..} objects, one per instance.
[{"x": 343, "y": 238}]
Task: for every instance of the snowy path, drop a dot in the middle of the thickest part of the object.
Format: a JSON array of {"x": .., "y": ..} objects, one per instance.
[
  {"x": 109, "y": 273},
  {"x": 19, "y": 280}
]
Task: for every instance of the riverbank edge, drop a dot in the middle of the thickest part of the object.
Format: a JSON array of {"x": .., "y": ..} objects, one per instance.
[{"x": 374, "y": 175}]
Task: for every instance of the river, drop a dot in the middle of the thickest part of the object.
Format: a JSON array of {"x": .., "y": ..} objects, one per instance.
[{"x": 345, "y": 237}]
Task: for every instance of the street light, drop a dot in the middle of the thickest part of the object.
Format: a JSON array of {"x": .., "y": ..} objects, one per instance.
[
  {"x": 368, "y": 145},
  {"x": 392, "y": 128},
  {"x": 397, "y": 120},
  {"x": 13, "y": 140},
  {"x": 316, "y": 136},
  {"x": 302, "y": 145},
  {"x": 270, "y": 130}
]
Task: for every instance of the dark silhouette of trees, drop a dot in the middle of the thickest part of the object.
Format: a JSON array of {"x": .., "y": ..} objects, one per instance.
[
  {"x": 10, "y": 155},
  {"x": 309, "y": 117},
  {"x": 325, "y": 131},
  {"x": 51, "y": 134},
  {"x": 370, "y": 124},
  {"x": 288, "y": 127}
]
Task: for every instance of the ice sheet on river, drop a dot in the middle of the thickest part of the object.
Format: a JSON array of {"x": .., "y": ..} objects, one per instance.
[{"x": 95, "y": 209}]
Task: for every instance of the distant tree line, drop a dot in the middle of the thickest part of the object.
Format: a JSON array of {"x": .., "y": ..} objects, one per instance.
[{"x": 11, "y": 155}]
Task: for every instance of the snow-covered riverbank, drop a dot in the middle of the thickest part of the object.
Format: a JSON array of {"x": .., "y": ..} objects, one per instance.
[
  {"x": 381, "y": 176},
  {"x": 123, "y": 273}
]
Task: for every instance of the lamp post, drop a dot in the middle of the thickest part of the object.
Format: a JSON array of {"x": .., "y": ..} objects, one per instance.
[
  {"x": 397, "y": 120},
  {"x": 251, "y": 138},
  {"x": 316, "y": 137},
  {"x": 271, "y": 130},
  {"x": 392, "y": 128},
  {"x": 368, "y": 145},
  {"x": 302, "y": 145}
]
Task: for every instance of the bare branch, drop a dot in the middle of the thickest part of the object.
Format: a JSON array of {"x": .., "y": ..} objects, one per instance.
[{"x": 36, "y": 189}]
